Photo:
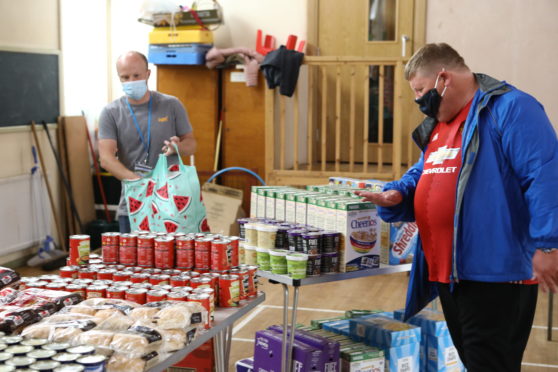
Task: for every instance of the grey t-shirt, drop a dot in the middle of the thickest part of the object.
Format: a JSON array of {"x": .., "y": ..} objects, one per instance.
[{"x": 168, "y": 118}]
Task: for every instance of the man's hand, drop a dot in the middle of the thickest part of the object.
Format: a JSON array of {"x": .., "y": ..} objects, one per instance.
[
  {"x": 545, "y": 270},
  {"x": 168, "y": 149},
  {"x": 383, "y": 199}
]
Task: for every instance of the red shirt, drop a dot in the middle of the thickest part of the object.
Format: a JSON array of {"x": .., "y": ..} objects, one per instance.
[{"x": 435, "y": 195}]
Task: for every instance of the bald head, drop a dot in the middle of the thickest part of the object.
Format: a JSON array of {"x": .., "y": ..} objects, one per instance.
[{"x": 132, "y": 66}]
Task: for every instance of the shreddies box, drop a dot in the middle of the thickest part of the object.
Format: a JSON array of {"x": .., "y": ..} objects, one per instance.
[
  {"x": 360, "y": 229},
  {"x": 400, "y": 341},
  {"x": 399, "y": 242},
  {"x": 358, "y": 360}
]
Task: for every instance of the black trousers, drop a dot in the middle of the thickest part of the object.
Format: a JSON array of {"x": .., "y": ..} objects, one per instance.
[{"x": 489, "y": 323}]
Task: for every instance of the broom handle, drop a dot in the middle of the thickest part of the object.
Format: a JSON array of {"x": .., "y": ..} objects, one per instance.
[{"x": 61, "y": 239}]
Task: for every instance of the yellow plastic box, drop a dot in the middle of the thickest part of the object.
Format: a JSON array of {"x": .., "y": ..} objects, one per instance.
[{"x": 170, "y": 36}]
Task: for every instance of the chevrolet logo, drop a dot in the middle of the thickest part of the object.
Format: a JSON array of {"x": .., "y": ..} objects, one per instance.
[{"x": 443, "y": 153}]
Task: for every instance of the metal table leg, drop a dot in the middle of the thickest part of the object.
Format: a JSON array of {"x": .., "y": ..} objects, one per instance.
[
  {"x": 550, "y": 313},
  {"x": 292, "y": 329},
  {"x": 219, "y": 351},
  {"x": 285, "y": 327},
  {"x": 228, "y": 341}
]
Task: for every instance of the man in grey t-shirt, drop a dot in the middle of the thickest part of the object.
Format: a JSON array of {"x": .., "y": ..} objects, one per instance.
[{"x": 134, "y": 129}]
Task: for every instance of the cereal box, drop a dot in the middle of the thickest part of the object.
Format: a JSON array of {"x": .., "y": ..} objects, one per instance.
[
  {"x": 359, "y": 225},
  {"x": 399, "y": 241},
  {"x": 365, "y": 359}
]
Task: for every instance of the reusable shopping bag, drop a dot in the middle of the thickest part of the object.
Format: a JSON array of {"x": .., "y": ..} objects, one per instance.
[{"x": 167, "y": 199}]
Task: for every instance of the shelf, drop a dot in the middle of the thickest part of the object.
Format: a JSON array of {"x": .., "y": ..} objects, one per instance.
[
  {"x": 383, "y": 269},
  {"x": 224, "y": 317}
]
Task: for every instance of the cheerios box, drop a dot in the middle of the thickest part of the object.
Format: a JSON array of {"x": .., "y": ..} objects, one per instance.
[
  {"x": 360, "y": 229},
  {"x": 399, "y": 341}
]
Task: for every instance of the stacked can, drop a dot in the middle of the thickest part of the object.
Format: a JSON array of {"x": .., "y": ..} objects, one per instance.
[
  {"x": 184, "y": 246},
  {"x": 127, "y": 254},
  {"x": 202, "y": 253},
  {"x": 164, "y": 252},
  {"x": 221, "y": 255},
  {"x": 229, "y": 290},
  {"x": 110, "y": 242},
  {"x": 146, "y": 246}
]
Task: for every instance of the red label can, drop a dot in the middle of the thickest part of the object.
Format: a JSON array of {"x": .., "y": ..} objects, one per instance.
[
  {"x": 229, "y": 290},
  {"x": 127, "y": 255},
  {"x": 110, "y": 238},
  {"x": 56, "y": 286},
  {"x": 129, "y": 240},
  {"x": 184, "y": 242},
  {"x": 76, "y": 288},
  {"x": 161, "y": 279},
  {"x": 177, "y": 296},
  {"x": 69, "y": 272},
  {"x": 80, "y": 247},
  {"x": 110, "y": 254},
  {"x": 139, "y": 278},
  {"x": 220, "y": 255},
  {"x": 244, "y": 278},
  {"x": 252, "y": 290},
  {"x": 164, "y": 253},
  {"x": 96, "y": 291},
  {"x": 155, "y": 295},
  {"x": 121, "y": 276},
  {"x": 137, "y": 295},
  {"x": 146, "y": 256},
  {"x": 117, "y": 292},
  {"x": 202, "y": 252},
  {"x": 200, "y": 282},
  {"x": 211, "y": 293},
  {"x": 105, "y": 274},
  {"x": 146, "y": 240},
  {"x": 178, "y": 281},
  {"x": 235, "y": 261},
  {"x": 185, "y": 258},
  {"x": 203, "y": 299},
  {"x": 86, "y": 273}
]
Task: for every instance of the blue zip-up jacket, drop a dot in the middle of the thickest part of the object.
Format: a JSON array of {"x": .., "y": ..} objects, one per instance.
[{"x": 507, "y": 191}]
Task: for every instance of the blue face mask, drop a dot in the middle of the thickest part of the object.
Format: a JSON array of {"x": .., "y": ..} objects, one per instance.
[{"x": 135, "y": 89}]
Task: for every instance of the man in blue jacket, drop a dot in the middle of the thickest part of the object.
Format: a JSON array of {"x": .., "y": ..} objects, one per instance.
[{"x": 484, "y": 194}]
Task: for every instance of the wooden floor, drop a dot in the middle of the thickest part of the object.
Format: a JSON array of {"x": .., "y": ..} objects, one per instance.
[{"x": 386, "y": 292}]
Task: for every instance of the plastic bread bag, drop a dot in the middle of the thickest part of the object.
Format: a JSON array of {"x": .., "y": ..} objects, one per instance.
[
  {"x": 115, "y": 322},
  {"x": 172, "y": 339},
  {"x": 193, "y": 313},
  {"x": 97, "y": 304},
  {"x": 121, "y": 362},
  {"x": 99, "y": 338},
  {"x": 136, "y": 341}
]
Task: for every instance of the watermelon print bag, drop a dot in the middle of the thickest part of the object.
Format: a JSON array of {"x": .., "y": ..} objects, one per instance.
[{"x": 167, "y": 199}]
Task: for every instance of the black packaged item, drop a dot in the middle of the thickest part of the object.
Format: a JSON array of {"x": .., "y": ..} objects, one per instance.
[
  {"x": 7, "y": 295},
  {"x": 311, "y": 242},
  {"x": 314, "y": 265},
  {"x": 281, "y": 239},
  {"x": 14, "y": 320},
  {"x": 8, "y": 277},
  {"x": 329, "y": 262},
  {"x": 330, "y": 241}
]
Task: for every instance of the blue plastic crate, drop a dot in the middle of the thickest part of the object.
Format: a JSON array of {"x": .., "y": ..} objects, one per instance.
[{"x": 178, "y": 54}]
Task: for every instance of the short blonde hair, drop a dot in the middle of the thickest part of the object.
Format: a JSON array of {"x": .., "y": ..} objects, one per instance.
[{"x": 432, "y": 58}]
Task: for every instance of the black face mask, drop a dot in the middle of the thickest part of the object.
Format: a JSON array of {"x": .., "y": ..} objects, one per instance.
[{"x": 429, "y": 103}]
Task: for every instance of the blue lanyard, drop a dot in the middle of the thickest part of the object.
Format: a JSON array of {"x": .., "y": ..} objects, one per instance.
[{"x": 146, "y": 145}]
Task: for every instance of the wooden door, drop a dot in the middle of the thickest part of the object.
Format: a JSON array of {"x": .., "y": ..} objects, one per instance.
[
  {"x": 197, "y": 88},
  {"x": 371, "y": 28}
]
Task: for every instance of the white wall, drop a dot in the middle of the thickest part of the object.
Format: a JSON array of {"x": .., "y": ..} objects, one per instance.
[{"x": 513, "y": 40}]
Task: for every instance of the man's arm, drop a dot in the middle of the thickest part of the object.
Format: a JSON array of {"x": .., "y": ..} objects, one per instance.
[
  {"x": 107, "y": 156},
  {"x": 186, "y": 145}
]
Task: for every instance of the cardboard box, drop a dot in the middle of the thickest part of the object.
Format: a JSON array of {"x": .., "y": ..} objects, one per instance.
[
  {"x": 399, "y": 242},
  {"x": 360, "y": 229},
  {"x": 365, "y": 359},
  {"x": 223, "y": 207},
  {"x": 244, "y": 365}
]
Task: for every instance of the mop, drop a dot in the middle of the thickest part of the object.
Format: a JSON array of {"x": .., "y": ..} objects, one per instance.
[{"x": 48, "y": 251}]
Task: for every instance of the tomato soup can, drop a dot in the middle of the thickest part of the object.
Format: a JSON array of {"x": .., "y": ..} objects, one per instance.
[
  {"x": 211, "y": 293},
  {"x": 105, "y": 274},
  {"x": 117, "y": 292},
  {"x": 96, "y": 291},
  {"x": 137, "y": 295},
  {"x": 220, "y": 255},
  {"x": 155, "y": 295},
  {"x": 252, "y": 281},
  {"x": 146, "y": 256},
  {"x": 235, "y": 254},
  {"x": 87, "y": 273},
  {"x": 110, "y": 254},
  {"x": 244, "y": 278},
  {"x": 140, "y": 278},
  {"x": 203, "y": 299},
  {"x": 110, "y": 238},
  {"x": 164, "y": 252},
  {"x": 229, "y": 289},
  {"x": 129, "y": 240},
  {"x": 80, "y": 247},
  {"x": 177, "y": 296},
  {"x": 160, "y": 279},
  {"x": 69, "y": 272},
  {"x": 184, "y": 242},
  {"x": 77, "y": 288},
  {"x": 127, "y": 255},
  {"x": 56, "y": 286},
  {"x": 178, "y": 281},
  {"x": 202, "y": 251},
  {"x": 185, "y": 258},
  {"x": 121, "y": 276}
]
